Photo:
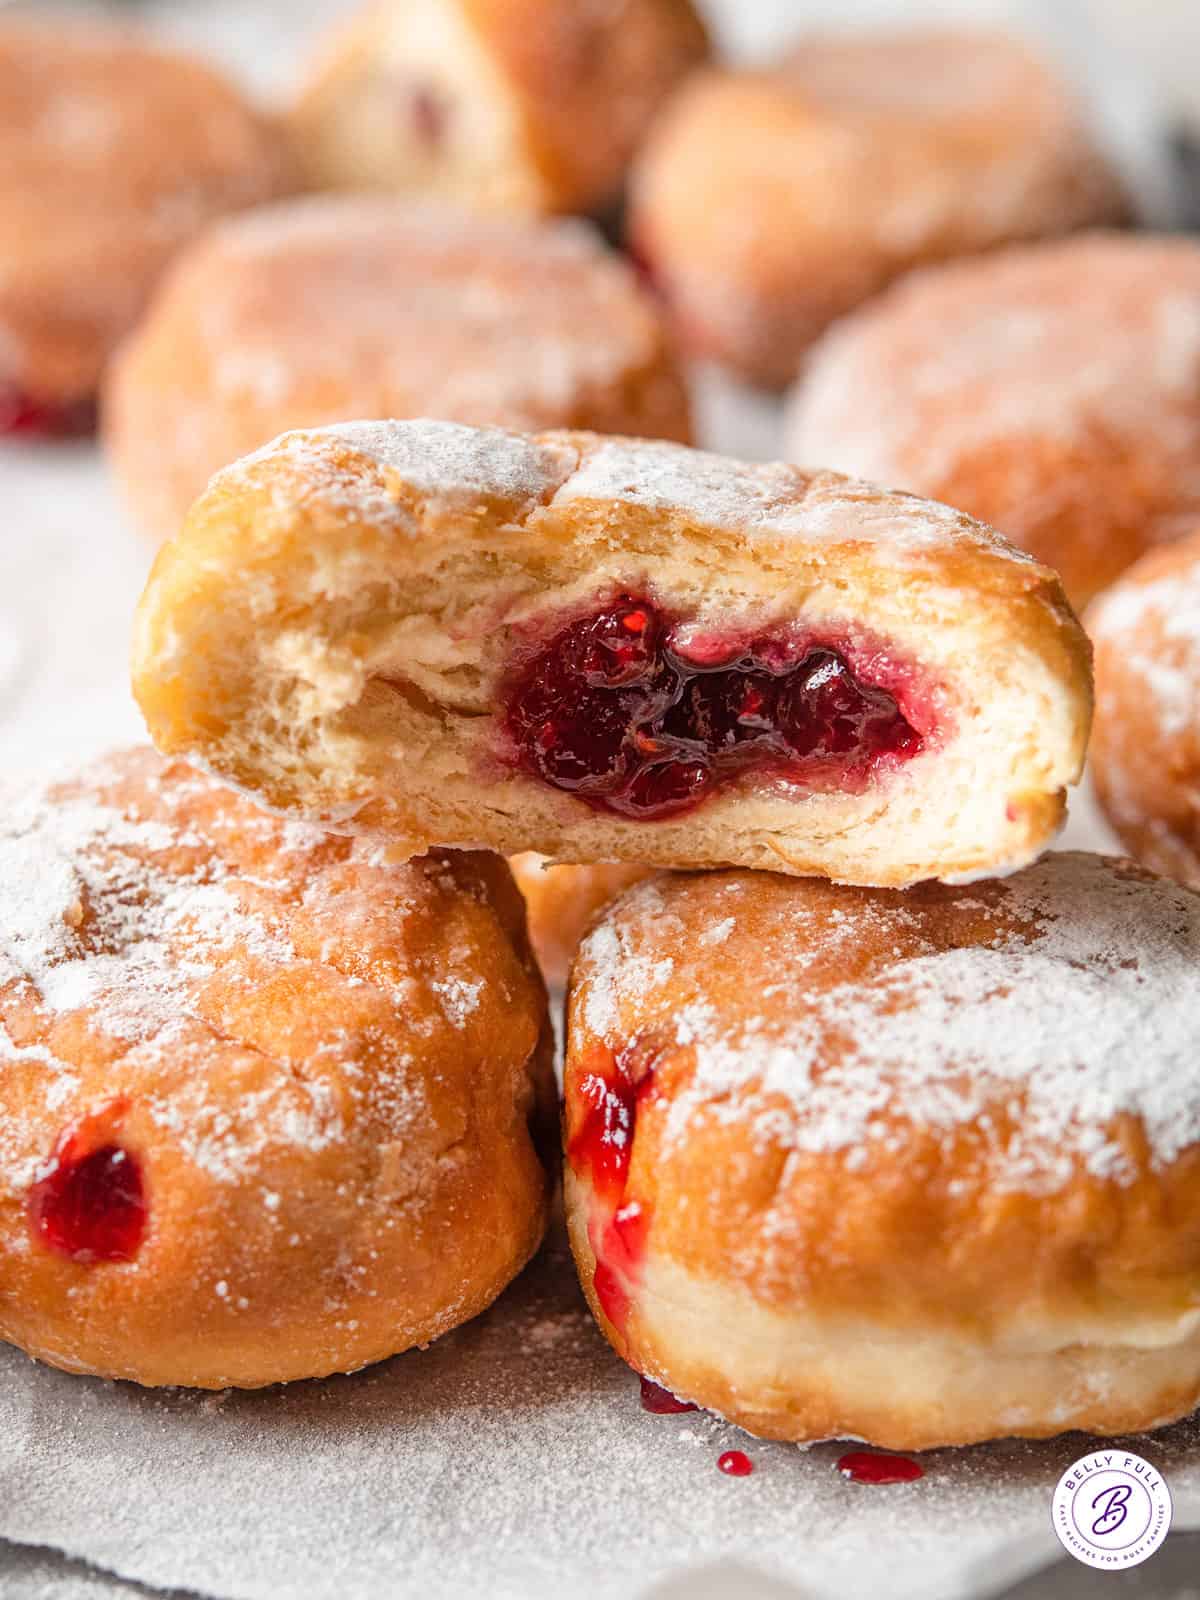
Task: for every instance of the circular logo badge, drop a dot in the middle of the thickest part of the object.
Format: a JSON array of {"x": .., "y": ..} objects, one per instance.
[{"x": 1111, "y": 1510}]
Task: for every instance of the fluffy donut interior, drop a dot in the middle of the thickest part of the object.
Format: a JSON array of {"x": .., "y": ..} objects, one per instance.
[{"x": 349, "y": 658}]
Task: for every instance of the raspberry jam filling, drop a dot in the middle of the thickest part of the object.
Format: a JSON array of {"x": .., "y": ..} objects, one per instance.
[
  {"x": 600, "y": 1149},
  {"x": 661, "y": 1402},
  {"x": 24, "y": 415},
  {"x": 735, "y": 1464},
  {"x": 91, "y": 1205},
  {"x": 638, "y": 715}
]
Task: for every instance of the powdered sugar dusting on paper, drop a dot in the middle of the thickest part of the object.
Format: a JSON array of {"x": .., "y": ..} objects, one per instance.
[{"x": 1081, "y": 1008}]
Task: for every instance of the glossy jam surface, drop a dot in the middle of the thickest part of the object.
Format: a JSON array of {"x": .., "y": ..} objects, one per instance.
[
  {"x": 24, "y": 415},
  {"x": 640, "y": 717},
  {"x": 735, "y": 1464},
  {"x": 661, "y": 1402},
  {"x": 600, "y": 1150},
  {"x": 91, "y": 1204},
  {"x": 870, "y": 1466}
]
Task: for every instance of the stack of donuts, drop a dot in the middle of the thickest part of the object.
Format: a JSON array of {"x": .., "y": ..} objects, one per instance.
[{"x": 876, "y": 1119}]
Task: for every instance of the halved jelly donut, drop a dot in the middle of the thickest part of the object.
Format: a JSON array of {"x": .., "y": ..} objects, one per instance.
[
  {"x": 271, "y": 1105},
  {"x": 615, "y": 650}
]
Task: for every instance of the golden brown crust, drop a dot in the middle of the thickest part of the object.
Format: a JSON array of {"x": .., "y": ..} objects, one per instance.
[
  {"x": 768, "y": 203},
  {"x": 562, "y": 901},
  {"x": 349, "y": 598},
  {"x": 532, "y": 324},
  {"x": 91, "y": 207},
  {"x": 912, "y": 1121},
  {"x": 1146, "y": 750},
  {"x": 515, "y": 105},
  {"x": 988, "y": 384},
  {"x": 333, "y": 1073}
]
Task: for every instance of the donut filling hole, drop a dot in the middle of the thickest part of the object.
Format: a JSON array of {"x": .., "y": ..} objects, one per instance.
[
  {"x": 25, "y": 415},
  {"x": 600, "y": 1150},
  {"x": 91, "y": 1204},
  {"x": 642, "y": 716}
]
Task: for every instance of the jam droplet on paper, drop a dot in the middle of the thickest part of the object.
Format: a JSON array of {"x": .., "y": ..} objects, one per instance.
[
  {"x": 871, "y": 1466},
  {"x": 735, "y": 1464},
  {"x": 661, "y": 1402}
]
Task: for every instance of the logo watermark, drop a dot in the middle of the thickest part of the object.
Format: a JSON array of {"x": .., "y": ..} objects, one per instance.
[{"x": 1111, "y": 1510}]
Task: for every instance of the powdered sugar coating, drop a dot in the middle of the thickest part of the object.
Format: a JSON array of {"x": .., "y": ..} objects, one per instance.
[
  {"x": 1053, "y": 341},
  {"x": 453, "y": 464},
  {"x": 145, "y": 911},
  {"x": 1064, "y": 998}
]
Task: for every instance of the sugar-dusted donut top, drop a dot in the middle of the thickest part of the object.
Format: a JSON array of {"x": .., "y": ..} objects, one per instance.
[
  {"x": 1049, "y": 341},
  {"x": 455, "y": 466},
  {"x": 1042, "y": 1012},
  {"x": 455, "y": 315},
  {"x": 253, "y": 985}
]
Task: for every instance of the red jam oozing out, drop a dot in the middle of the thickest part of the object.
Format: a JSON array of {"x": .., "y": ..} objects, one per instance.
[
  {"x": 635, "y": 715},
  {"x": 23, "y": 414},
  {"x": 870, "y": 1466},
  {"x": 91, "y": 1204},
  {"x": 601, "y": 1149},
  {"x": 735, "y": 1464},
  {"x": 661, "y": 1402}
]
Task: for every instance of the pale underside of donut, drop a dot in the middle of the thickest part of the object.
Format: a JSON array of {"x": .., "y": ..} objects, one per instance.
[{"x": 347, "y": 623}]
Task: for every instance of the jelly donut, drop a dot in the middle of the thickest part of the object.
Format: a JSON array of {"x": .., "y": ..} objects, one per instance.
[
  {"x": 1146, "y": 751},
  {"x": 920, "y": 1168},
  {"x": 614, "y": 650},
  {"x": 113, "y": 152},
  {"x": 562, "y": 900},
  {"x": 430, "y": 312},
  {"x": 1052, "y": 390},
  {"x": 273, "y": 1106},
  {"x": 767, "y": 203},
  {"x": 511, "y": 105}
]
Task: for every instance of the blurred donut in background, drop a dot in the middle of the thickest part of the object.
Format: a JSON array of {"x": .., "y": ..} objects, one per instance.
[
  {"x": 1146, "y": 743},
  {"x": 766, "y": 203},
  {"x": 363, "y": 306},
  {"x": 113, "y": 153},
  {"x": 562, "y": 900},
  {"x": 510, "y": 105},
  {"x": 1052, "y": 390}
]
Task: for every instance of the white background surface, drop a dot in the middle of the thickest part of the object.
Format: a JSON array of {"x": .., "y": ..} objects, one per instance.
[{"x": 512, "y": 1458}]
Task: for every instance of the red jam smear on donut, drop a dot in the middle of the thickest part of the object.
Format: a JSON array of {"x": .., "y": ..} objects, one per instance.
[
  {"x": 640, "y": 716},
  {"x": 24, "y": 415},
  {"x": 870, "y": 1466},
  {"x": 90, "y": 1205},
  {"x": 613, "y": 1092},
  {"x": 661, "y": 1402}
]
